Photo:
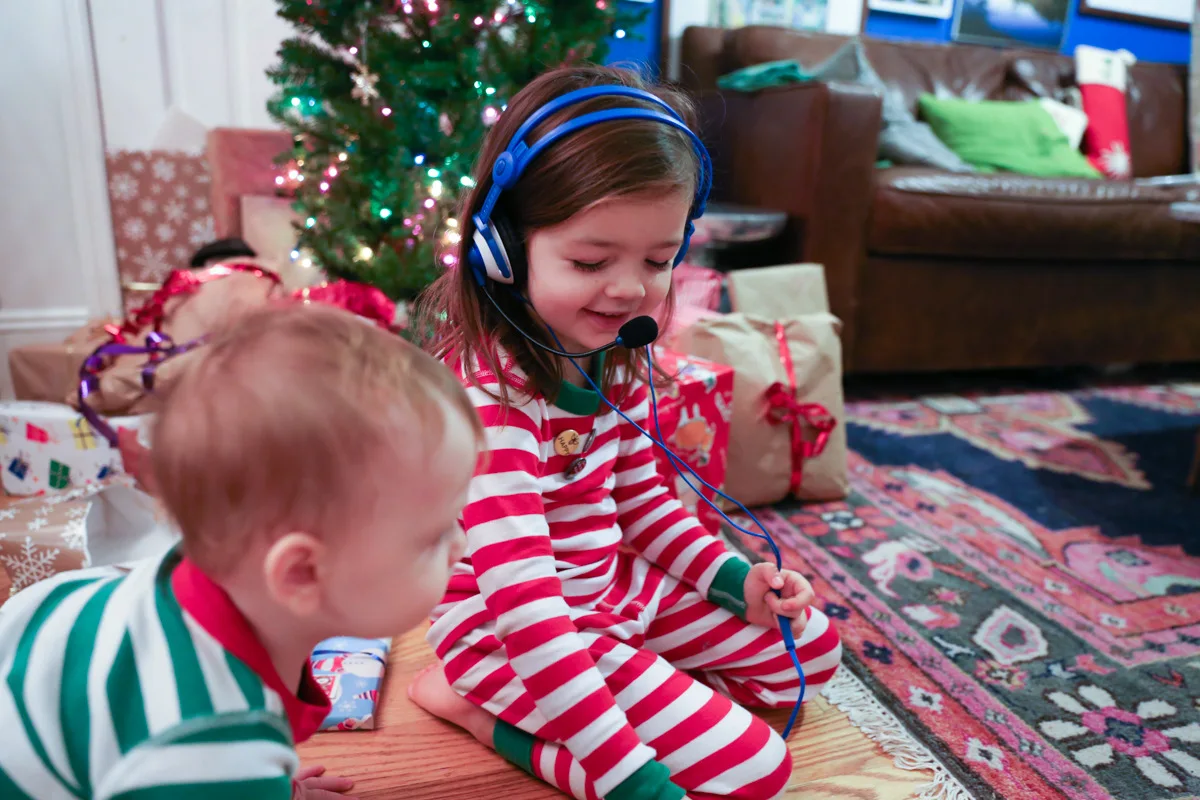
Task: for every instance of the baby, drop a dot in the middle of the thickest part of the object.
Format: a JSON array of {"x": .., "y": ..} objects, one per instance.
[{"x": 316, "y": 467}]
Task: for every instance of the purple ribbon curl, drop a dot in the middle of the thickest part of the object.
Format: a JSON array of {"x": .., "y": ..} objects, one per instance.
[{"x": 158, "y": 347}]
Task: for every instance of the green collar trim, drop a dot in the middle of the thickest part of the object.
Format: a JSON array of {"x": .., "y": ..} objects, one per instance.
[{"x": 579, "y": 400}]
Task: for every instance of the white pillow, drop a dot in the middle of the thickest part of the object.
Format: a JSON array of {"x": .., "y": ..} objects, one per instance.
[{"x": 1071, "y": 121}]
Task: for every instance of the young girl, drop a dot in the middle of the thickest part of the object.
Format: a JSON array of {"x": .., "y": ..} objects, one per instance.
[{"x": 586, "y": 629}]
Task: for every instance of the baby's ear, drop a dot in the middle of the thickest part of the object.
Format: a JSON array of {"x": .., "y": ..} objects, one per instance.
[{"x": 291, "y": 573}]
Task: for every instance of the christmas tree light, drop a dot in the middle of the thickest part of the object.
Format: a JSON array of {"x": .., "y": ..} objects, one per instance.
[{"x": 388, "y": 104}]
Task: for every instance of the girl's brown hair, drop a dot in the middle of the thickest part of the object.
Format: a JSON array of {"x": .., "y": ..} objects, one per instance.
[{"x": 609, "y": 159}]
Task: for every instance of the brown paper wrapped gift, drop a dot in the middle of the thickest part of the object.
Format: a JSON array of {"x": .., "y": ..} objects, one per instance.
[
  {"x": 43, "y": 536},
  {"x": 779, "y": 292},
  {"x": 186, "y": 317},
  {"x": 47, "y": 371},
  {"x": 762, "y": 455}
]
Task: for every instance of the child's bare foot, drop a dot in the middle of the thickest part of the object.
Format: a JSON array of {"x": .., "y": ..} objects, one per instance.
[{"x": 431, "y": 691}]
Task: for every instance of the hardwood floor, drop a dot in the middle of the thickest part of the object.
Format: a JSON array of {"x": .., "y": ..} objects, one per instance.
[{"x": 416, "y": 757}]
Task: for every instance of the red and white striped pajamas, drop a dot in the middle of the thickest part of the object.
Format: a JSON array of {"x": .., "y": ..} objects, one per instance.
[{"x": 596, "y": 614}]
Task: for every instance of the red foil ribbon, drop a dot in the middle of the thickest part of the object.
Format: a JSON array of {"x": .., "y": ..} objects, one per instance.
[
  {"x": 365, "y": 301},
  {"x": 784, "y": 409},
  {"x": 179, "y": 282}
]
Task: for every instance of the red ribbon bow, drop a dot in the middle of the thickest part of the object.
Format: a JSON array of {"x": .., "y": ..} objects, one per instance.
[{"x": 784, "y": 409}]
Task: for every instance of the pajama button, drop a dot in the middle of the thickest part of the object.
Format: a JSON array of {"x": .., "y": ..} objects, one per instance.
[
  {"x": 566, "y": 443},
  {"x": 575, "y": 467}
]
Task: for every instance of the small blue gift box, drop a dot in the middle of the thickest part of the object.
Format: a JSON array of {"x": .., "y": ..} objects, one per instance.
[{"x": 351, "y": 672}]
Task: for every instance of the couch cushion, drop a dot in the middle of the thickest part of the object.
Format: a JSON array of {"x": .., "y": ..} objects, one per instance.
[
  {"x": 931, "y": 213},
  {"x": 1157, "y": 92}
]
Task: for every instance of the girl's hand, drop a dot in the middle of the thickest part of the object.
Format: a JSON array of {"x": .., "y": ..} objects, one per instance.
[
  {"x": 312, "y": 783},
  {"x": 763, "y": 606}
]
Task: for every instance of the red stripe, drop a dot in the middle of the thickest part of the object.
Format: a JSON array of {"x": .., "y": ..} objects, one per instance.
[{"x": 742, "y": 749}]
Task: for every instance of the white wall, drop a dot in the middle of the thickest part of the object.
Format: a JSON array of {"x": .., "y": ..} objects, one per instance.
[
  {"x": 205, "y": 58},
  {"x": 683, "y": 14},
  {"x": 97, "y": 75},
  {"x": 57, "y": 267}
]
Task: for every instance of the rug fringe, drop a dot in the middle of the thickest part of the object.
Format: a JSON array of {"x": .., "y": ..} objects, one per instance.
[{"x": 870, "y": 716}]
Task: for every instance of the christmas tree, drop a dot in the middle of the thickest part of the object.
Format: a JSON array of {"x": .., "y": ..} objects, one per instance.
[{"x": 388, "y": 103}]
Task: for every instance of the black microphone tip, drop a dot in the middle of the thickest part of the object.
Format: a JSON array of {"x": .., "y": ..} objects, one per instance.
[{"x": 638, "y": 332}]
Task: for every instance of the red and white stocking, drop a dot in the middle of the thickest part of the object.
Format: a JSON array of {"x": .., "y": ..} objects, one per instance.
[{"x": 1102, "y": 76}]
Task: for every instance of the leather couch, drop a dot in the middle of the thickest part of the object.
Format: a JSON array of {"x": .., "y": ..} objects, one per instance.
[{"x": 931, "y": 270}]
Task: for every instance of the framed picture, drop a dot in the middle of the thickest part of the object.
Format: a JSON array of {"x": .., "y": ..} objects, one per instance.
[
  {"x": 1168, "y": 13},
  {"x": 938, "y": 9},
  {"x": 1028, "y": 23},
  {"x": 831, "y": 16}
]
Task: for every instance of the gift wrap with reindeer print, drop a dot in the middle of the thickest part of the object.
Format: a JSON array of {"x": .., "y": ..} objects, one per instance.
[
  {"x": 694, "y": 410},
  {"x": 48, "y": 447}
]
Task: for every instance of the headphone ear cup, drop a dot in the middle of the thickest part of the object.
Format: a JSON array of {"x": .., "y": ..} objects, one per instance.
[
  {"x": 687, "y": 242},
  {"x": 513, "y": 243}
]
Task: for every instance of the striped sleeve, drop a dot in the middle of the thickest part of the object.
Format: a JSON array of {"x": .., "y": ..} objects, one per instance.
[
  {"x": 508, "y": 542},
  {"x": 236, "y": 756},
  {"x": 653, "y": 522}
]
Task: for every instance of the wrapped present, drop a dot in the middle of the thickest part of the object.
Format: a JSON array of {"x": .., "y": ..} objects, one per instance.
[
  {"x": 694, "y": 413},
  {"x": 51, "y": 447},
  {"x": 49, "y": 371},
  {"x": 784, "y": 346},
  {"x": 351, "y": 672},
  {"x": 697, "y": 296},
  {"x": 43, "y": 536},
  {"x": 105, "y": 524}
]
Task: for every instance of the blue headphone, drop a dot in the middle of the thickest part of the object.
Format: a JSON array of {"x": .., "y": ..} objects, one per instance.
[{"x": 498, "y": 251}]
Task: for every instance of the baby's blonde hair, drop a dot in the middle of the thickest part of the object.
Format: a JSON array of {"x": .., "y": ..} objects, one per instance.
[{"x": 282, "y": 419}]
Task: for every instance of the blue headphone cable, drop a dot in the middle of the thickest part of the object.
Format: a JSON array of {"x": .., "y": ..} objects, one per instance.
[{"x": 785, "y": 627}]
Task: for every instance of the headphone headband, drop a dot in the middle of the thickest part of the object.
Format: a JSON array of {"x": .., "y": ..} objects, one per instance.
[{"x": 489, "y": 256}]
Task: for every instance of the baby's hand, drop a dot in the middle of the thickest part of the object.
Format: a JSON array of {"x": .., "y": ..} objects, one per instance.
[
  {"x": 313, "y": 784},
  {"x": 763, "y": 606}
]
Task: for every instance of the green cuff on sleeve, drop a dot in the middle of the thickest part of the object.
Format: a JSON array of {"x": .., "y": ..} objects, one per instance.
[
  {"x": 651, "y": 781},
  {"x": 728, "y": 589}
]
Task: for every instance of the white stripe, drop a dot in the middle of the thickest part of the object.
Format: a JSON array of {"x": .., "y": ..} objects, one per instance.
[
  {"x": 690, "y": 632},
  {"x": 273, "y": 702},
  {"x": 148, "y": 767},
  {"x": 704, "y": 583},
  {"x": 628, "y": 765},
  {"x": 733, "y": 725},
  {"x": 689, "y": 553},
  {"x": 599, "y": 731},
  {"x": 760, "y": 765},
  {"x": 643, "y": 685},
  {"x": 645, "y": 521},
  {"x": 668, "y": 536},
  {"x": 156, "y": 672},
  {"x": 718, "y": 650},
  {"x": 223, "y": 687},
  {"x": 601, "y": 536},
  {"x": 672, "y": 715},
  {"x": 44, "y": 677},
  {"x": 103, "y": 751},
  {"x": 545, "y": 764},
  {"x": 574, "y": 511},
  {"x": 533, "y": 661},
  {"x": 505, "y": 529},
  {"x": 17, "y": 758},
  {"x": 563, "y": 698},
  {"x": 500, "y": 484},
  {"x": 530, "y": 613},
  {"x": 577, "y": 780}
]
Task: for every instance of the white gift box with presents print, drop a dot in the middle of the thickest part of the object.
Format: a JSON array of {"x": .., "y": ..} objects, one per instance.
[{"x": 48, "y": 447}]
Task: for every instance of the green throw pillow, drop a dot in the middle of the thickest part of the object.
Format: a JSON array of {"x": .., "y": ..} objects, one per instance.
[{"x": 1018, "y": 137}]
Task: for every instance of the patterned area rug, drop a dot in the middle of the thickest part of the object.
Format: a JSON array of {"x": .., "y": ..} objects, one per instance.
[{"x": 1011, "y": 579}]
